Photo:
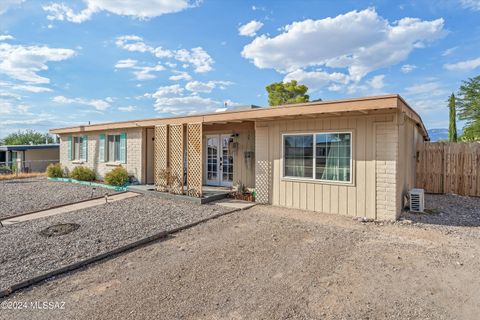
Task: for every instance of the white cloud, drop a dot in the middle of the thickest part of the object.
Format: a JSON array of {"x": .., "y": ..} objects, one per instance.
[
  {"x": 471, "y": 4},
  {"x": 256, "y": 8},
  {"x": 449, "y": 51},
  {"x": 430, "y": 88},
  {"x": 4, "y": 37},
  {"x": 206, "y": 87},
  {"x": 197, "y": 57},
  {"x": 98, "y": 104},
  {"x": 127, "y": 109},
  {"x": 7, "y": 4},
  {"x": 180, "y": 75},
  {"x": 314, "y": 80},
  {"x": 25, "y": 62},
  {"x": 250, "y": 29},
  {"x": 126, "y": 63},
  {"x": 30, "y": 88},
  {"x": 172, "y": 100},
  {"x": 167, "y": 90},
  {"x": 359, "y": 41},
  {"x": 465, "y": 65},
  {"x": 377, "y": 82},
  {"x": 140, "y": 72},
  {"x": 144, "y": 9},
  {"x": 407, "y": 68}
]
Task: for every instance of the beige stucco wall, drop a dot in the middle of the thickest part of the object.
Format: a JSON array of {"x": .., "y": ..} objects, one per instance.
[
  {"x": 376, "y": 178},
  {"x": 135, "y": 151}
]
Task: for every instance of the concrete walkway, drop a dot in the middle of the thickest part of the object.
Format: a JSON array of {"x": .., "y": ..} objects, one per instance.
[
  {"x": 235, "y": 204},
  {"x": 68, "y": 208}
]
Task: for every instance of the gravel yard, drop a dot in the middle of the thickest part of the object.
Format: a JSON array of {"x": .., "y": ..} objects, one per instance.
[
  {"x": 276, "y": 263},
  {"x": 26, "y": 195},
  {"x": 25, "y": 253}
]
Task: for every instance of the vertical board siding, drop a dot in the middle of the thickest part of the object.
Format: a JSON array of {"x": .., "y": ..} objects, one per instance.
[
  {"x": 449, "y": 168},
  {"x": 356, "y": 199}
]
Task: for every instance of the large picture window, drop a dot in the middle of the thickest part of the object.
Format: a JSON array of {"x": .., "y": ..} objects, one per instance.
[{"x": 318, "y": 156}]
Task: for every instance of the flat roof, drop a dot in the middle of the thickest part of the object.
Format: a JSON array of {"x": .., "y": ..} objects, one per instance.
[
  {"x": 361, "y": 105},
  {"x": 24, "y": 147}
]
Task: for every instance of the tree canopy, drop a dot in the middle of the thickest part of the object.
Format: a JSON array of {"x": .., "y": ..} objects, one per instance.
[
  {"x": 286, "y": 92},
  {"x": 468, "y": 106},
  {"x": 452, "y": 127},
  {"x": 27, "y": 137}
]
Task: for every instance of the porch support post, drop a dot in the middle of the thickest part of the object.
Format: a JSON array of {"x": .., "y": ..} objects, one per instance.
[
  {"x": 194, "y": 159},
  {"x": 161, "y": 170},
  {"x": 176, "y": 157}
]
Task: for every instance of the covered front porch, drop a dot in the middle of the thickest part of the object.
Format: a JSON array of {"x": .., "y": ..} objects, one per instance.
[{"x": 204, "y": 159}]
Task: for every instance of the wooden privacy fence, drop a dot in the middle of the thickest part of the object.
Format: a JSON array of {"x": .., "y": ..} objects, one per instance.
[{"x": 449, "y": 167}]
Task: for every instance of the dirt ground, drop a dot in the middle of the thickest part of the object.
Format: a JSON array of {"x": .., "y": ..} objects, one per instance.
[{"x": 275, "y": 263}]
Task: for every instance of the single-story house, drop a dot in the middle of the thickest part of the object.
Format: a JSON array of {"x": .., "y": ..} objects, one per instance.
[
  {"x": 32, "y": 158},
  {"x": 353, "y": 156}
]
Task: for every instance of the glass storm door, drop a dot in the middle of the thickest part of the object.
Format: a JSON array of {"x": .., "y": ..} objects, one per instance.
[{"x": 219, "y": 166}]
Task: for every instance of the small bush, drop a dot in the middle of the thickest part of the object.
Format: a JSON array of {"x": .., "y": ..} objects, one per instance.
[
  {"x": 54, "y": 170},
  {"x": 82, "y": 174},
  {"x": 117, "y": 177}
]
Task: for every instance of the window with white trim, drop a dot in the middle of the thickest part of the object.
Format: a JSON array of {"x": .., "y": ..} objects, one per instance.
[
  {"x": 79, "y": 148},
  {"x": 113, "y": 148},
  {"x": 323, "y": 156}
]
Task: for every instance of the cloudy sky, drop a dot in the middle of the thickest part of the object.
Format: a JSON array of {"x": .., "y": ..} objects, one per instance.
[{"x": 68, "y": 63}]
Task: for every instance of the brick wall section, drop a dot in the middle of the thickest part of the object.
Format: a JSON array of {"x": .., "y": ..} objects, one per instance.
[
  {"x": 386, "y": 151},
  {"x": 135, "y": 153}
]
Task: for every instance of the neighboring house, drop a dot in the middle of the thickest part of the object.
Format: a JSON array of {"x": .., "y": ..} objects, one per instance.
[
  {"x": 32, "y": 158},
  {"x": 353, "y": 157}
]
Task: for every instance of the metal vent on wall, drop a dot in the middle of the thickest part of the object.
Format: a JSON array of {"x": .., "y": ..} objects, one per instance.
[{"x": 417, "y": 200}]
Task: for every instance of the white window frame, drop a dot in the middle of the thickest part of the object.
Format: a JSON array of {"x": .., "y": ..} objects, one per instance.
[
  {"x": 313, "y": 179},
  {"x": 81, "y": 141},
  {"x": 107, "y": 148}
]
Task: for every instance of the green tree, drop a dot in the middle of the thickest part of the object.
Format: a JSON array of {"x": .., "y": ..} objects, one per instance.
[
  {"x": 286, "y": 92},
  {"x": 27, "y": 137},
  {"x": 468, "y": 106},
  {"x": 452, "y": 127}
]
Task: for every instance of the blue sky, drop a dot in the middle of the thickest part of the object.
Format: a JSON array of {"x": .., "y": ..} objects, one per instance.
[{"x": 67, "y": 63}]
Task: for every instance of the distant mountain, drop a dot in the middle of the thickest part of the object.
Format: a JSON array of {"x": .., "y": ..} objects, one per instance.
[{"x": 438, "y": 134}]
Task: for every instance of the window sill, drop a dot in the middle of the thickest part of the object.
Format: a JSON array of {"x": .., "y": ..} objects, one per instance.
[
  {"x": 78, "y": 162},
  {"x": 113, "y": 164},
  {"x": 325, "y": 182}
]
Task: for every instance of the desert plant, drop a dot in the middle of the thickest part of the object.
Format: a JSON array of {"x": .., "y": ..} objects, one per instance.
[
  {"x": 54, "y": 170},
  {"x": 116, "y": 177},
  {"x": 83, "y": 174}
]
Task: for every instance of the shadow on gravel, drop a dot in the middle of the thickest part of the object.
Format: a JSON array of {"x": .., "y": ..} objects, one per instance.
[{"x": 448, "y": 210}]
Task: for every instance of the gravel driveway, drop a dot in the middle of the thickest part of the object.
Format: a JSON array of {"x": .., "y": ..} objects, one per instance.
[
  {"x": 26, "y": 195},
  {"x": 275, "y": 263},
  {"x": 25, "y": 253}
]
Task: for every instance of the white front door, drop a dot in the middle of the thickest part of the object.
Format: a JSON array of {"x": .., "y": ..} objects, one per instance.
[{"x": 219, "y": 164}]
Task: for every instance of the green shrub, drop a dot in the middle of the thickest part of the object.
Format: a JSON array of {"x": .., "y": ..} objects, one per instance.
[
  {"x": 82, "y": 174},
  {"x": 54, "y": 170},
  {"x": 117, "y": 177}
]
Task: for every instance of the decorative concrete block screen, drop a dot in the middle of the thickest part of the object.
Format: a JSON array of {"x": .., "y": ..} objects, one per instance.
[
  {"x": 161, "y": 158},
  {"x": 262, "y": 175},
  {"x": 194, "y": 159},
  {"x": 176, "y": 157}
]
